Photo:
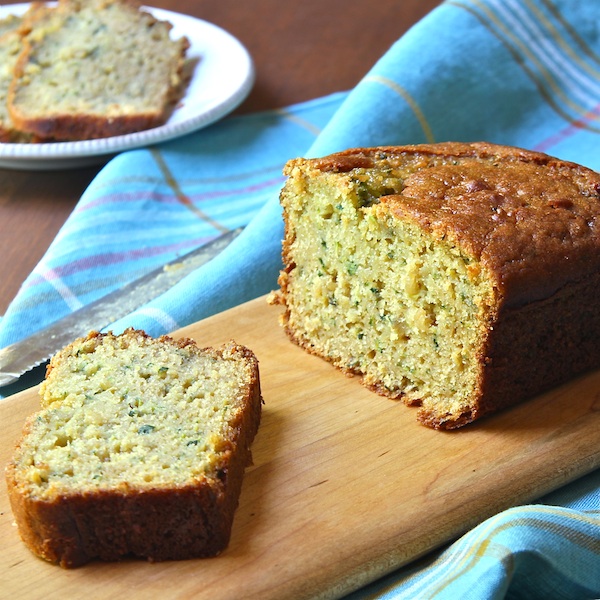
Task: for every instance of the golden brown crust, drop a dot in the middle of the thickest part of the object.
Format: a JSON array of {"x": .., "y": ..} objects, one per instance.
[
  {"x": 531, "y": 218},
  {"x": 160, "y": 522},
  {"x": 155, "y": 525}
]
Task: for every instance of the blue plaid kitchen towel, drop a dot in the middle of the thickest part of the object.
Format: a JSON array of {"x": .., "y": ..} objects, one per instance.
[{"x": 517, "y": 72}]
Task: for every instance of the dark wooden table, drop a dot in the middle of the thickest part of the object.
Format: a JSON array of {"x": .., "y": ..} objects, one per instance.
[{"x": 301, "y": 50}]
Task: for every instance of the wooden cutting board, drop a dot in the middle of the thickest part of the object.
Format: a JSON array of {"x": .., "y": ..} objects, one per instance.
[{"x": 345, "y": 485}]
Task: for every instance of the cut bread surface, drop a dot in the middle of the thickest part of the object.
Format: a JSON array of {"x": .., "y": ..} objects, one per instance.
[{"x": 128, "y": 426}]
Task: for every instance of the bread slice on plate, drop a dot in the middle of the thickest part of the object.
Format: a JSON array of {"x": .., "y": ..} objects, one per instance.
[
  {"x": 10, "y": 48},
  {"x": 94, "y": 69},
  {"x": 139, "y": 450}
]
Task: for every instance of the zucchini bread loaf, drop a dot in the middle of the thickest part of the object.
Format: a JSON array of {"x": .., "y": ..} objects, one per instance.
[
  {"x": 93, "y": 69},
  {"x": 460, "y": 277},
  {"x": 139, "y": 450}
]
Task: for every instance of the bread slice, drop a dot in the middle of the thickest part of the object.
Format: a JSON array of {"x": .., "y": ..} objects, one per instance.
[
  {"x": 139, "y": 450},
  {"x": 10, "y": 47},
  {"x": 93, "y": 69},
  {"x": 460, "y": 277}
]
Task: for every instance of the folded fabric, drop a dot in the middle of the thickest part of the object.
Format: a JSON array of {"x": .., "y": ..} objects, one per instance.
[{"x": 518, "y": 72}]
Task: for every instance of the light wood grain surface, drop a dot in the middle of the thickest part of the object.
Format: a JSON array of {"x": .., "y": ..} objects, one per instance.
[
  {"x": 301, "y": 50},
  {"x": 345, "y": 485}
]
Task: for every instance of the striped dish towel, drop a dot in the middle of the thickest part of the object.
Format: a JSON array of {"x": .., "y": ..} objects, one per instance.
[{"x": 518, "y": 72}]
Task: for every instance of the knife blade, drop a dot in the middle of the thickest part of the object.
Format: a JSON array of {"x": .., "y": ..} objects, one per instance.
[{"x": 24, "y": 355}]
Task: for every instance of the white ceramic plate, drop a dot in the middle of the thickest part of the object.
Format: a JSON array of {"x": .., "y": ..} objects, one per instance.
[{"x": 222, "y": 78}]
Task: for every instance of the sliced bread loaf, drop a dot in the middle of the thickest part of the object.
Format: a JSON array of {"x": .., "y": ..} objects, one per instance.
[
  {"x": 139, "y": 449},
  {"x": 95, "y": 68},
  {"x": 460, "y": 277}
]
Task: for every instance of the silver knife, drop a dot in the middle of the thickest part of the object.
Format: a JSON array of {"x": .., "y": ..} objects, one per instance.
[{"x": 24, "y": 355}]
